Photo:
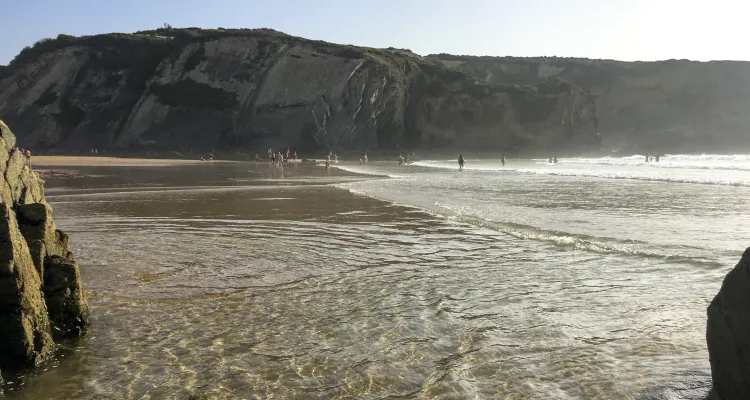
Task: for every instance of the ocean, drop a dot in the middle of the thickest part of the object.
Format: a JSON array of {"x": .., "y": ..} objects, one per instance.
[{"x": 585, "y": 279}]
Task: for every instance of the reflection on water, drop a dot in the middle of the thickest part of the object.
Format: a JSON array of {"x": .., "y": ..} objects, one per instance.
[{"x": 228, "y": 282}]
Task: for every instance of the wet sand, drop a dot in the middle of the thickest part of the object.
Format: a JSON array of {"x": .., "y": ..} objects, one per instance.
[{"x": 77, "y": 161}]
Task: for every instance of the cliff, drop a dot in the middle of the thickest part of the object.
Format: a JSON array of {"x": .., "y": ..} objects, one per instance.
[
  {"x": 41, "y": 298},
  {"x": 193, "y": 89},
  {"x": 667, "y": 106}
]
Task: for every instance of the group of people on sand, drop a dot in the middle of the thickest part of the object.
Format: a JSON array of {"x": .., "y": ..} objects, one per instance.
[
  {"x": 553, "y": 159},
  {"x": 363, "y": 159},
  {"x": 277, "y": 158},
  {"x": 331, "y": 157},
  {"x": 403, "y": 159},
  {"x": 652, "y": 157}
]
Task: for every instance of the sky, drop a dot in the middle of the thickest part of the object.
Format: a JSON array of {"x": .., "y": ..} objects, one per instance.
[{"x": 627, "y": 30}]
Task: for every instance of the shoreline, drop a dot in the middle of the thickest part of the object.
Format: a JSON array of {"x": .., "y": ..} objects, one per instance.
[{"x": 94, "y": 161}]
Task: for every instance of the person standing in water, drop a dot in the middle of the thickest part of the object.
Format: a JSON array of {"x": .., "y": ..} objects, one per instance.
[
  {"x": 461, "y": 162},
  {"x": 502, "y": 159},
  {"x": 365, "y": 158},
  {"x": 328, "y": 161},
  {"x": 554, "y": 159}
]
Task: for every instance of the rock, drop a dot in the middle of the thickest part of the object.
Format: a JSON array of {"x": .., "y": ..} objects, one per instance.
[
  {"x": 728, "y": 333},
  {"x": 32, "y": 187},
  {"x": 66, "y": 303},
  {"x": 38, "y": 227},
  {"x": 9, "y": 139},
  {"x": 13, "y": 171},
  {"x": 25, "y": 339},
  {"x": 25, "y": 185},
  {"x": 38, "y": 251},
  {"x": 40, "y": 287}
]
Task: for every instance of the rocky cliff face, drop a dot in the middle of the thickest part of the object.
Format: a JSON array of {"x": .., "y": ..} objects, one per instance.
[
  {"x": 674, "y": 105},
  {"x": 253, "y": 89},
  {"x": 728, "y": 333},
  {"x": 40, "y": 290}
]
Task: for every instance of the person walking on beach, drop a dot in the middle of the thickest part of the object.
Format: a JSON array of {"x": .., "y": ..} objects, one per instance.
[
  {"x": 27, "y": 153},
  {"x": 365, "y": 158},
  {"x": 328, "y": 161},
  {"x": 400, "y": 160},
  {"x": 461, "y": 162},
  {"x": 502, "y": 159}
]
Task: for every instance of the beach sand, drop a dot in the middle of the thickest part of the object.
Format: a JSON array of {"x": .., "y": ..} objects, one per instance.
[{"x": 81, "y": 161}]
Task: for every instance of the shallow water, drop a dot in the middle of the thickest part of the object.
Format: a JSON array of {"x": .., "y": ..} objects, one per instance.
[{"x": 516, "y": 281}]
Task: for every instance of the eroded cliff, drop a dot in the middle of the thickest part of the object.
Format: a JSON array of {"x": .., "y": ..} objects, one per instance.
[
  {"x": 252, "y": 89},
  {"x": 666, "y": 106}
]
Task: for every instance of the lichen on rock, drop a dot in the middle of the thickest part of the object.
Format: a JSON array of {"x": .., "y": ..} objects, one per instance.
[
  {"x": 25, "y": 336},
  {"x": 66, "y": 303},
  {"x": 41, "y": 296}
]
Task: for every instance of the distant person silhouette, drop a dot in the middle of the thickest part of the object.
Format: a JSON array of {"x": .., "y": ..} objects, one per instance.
[{"x": 461, "y": 162}]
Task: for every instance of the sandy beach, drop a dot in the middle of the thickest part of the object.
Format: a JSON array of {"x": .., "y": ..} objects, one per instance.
[{"x": 86, "y": 161}]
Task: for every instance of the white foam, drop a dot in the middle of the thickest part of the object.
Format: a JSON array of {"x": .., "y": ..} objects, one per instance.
[
  {"x": 701, "y": 169},
  {"x": 367, "y": 170},
  {"x": 705, "y": 179}
]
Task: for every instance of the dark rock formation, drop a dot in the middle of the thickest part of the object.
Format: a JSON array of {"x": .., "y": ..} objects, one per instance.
[
  {"x": 40, "y": 288},
  {"x": 192, "y": 89},
  {"x": 728, "y": 333},
  {"x": 25, "y": 336},
  {"x": 68, "y": 311},
  {"x": 667, "y": 106}
]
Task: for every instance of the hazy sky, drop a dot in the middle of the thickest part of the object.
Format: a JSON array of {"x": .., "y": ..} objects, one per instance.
[{"x": 617, "y": 29}]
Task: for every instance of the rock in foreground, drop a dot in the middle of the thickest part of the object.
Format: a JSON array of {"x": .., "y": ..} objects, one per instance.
[
  {"x": 40, "y": 287},
  {"x": 728, "y": 333},
  {"x": 66, "y": 304}
]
